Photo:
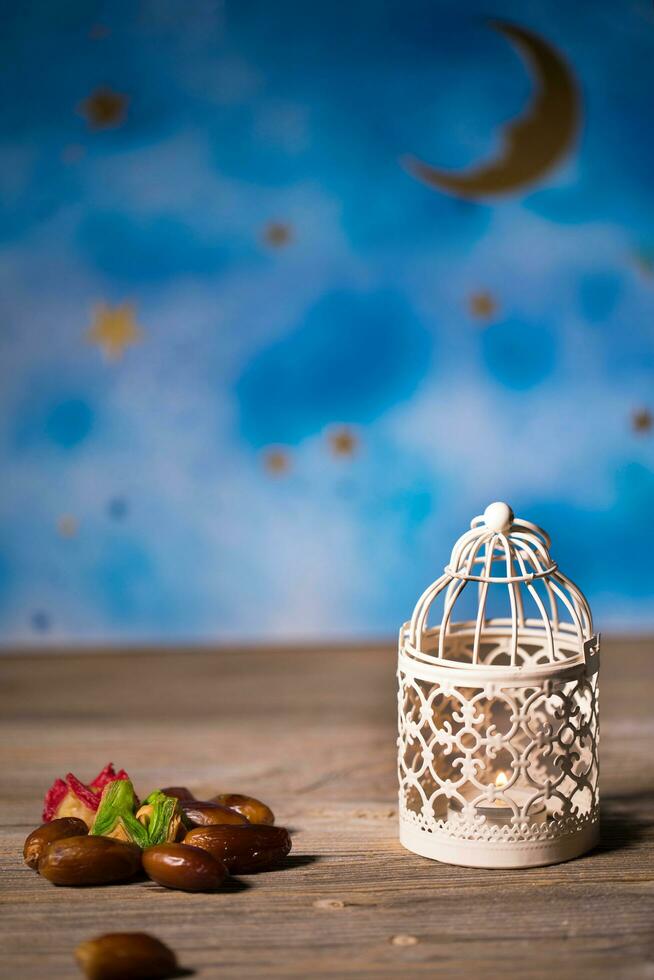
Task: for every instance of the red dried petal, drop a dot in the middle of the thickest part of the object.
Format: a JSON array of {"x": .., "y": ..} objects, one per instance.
[
  {"x": 53, "y": 798},
  {"x": 82, "y": 792},
  {"x": 89, "y": 795},
  {"x": 107, "y": 775}
]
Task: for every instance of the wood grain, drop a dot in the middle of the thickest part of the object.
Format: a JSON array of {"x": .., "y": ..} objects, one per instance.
[{"x": 312, "y": 732}]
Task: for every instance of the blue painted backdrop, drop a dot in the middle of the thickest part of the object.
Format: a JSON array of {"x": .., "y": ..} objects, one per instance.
[{"x": 256, "y": 377}]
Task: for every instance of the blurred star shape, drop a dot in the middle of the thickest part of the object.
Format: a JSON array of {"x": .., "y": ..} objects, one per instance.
[
  {"x": 482, "y": 305},
  {"x": 99, "y": 32},
  {"x": 117, "y": 508},
  {"x": 41, "y": 621},
  {"x": 277, "y": 234},
  {"x": 642, "y": 420},
  {"x": 114, "y": 329},
  {"x": 276, "y": 461},
  {"x": 67, "y": 526},
  {"x": 104, "y": 108},
  {"x": 644, "y": 260},
  {"x": 343, "y": 441}
]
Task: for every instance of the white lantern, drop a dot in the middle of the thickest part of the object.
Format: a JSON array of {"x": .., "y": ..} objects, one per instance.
[{"x": 498, "y": 712}]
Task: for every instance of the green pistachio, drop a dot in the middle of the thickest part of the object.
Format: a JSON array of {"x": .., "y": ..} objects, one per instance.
[
  {"x": 115, "y": 816},
  {"x": 161, "y": 817}
]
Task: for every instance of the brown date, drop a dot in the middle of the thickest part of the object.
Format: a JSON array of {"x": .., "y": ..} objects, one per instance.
[
  {"x": 253, "y": 809},
  {"x": 38, "y": 840},
  {"x": 190, "y": 869},
  {"x": 179, "y": 792},
  {"x": 89, "y": 861},
  {"x": 201, "y": 814},
  {"x": 243, "y": 850},
  {"x": 118, "y": 955}
]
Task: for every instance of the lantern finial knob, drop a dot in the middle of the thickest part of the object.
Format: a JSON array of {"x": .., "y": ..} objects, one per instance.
[{"x": 498, "y": 517}]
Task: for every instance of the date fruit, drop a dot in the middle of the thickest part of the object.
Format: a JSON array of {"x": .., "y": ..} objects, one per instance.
[
  {"x": 254, "y": 810},
  {"x": 179, "y": 792},
  {"x": 118, "y": 955},
  {"x": 190, "y": 869},
  {"x": 243, "y": 850},
  {"x": 38, "y": 840},
  {"x": 89, "y": 861},
  {"x": 201, "y": 814}
]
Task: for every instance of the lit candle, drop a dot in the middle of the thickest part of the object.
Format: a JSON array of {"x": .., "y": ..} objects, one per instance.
[{"x": 499, "y": 812}]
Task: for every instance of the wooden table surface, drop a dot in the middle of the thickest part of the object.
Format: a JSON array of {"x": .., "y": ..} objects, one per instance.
[{"x": 313, "y": 733}]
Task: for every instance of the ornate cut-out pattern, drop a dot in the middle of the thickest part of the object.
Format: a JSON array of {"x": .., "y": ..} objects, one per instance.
[{"x": 530, "y": 751}]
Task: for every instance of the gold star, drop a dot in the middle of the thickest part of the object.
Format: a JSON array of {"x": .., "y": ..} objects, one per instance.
[
  {"x": 277, "y": 234},
  {"x": 67, "y": 526},
  {"x": 482, "y": 305},
  {"x": 104, "y": 108},
  {"x": 277, "y": 461},
  {"x": 642, "y": 421},
  {"x": 114, "y": 329},
  {"x": 343, "y": 441}
]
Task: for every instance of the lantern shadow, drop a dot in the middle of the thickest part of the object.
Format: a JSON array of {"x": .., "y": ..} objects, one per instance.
[{"x": 625, "y": 819}]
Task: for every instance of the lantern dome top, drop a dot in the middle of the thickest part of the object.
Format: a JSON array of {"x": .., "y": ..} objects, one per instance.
[
  {"x": 501, "y": 548},
  {"x": 498, "y": 516},
  {"x": 546, "y": 618}
]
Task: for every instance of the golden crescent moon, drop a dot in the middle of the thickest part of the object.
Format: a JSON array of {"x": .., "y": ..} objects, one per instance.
[{"x": 533, "y": 142}]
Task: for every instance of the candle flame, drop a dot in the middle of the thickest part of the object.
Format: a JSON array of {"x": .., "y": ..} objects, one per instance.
[{"x": 501, "y": 779}]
